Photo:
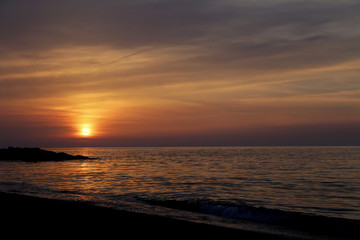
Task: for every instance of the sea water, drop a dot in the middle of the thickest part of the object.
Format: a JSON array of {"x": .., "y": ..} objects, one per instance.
[{"x": 272, "y": 185}]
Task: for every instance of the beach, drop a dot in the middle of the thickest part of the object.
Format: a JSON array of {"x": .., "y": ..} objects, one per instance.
[{"x": 41, "y": 217}]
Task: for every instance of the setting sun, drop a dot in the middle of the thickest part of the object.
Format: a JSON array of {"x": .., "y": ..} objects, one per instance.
[{"x": 85, "y": 132}]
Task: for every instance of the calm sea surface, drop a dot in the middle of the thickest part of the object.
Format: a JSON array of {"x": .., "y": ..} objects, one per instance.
[{"x": 235, "y": 182}]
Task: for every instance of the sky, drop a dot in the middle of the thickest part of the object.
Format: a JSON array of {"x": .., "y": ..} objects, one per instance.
[{"x": 179, "y": 72}]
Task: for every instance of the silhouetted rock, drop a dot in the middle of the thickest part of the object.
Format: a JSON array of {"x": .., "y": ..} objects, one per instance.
[{"x": 35, "y": 155}]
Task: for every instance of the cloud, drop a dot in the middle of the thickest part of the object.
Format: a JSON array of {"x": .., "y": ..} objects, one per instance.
[
  {"x": 124, "y": 24},
  {"x": 117, "y": 23},
  {"x": 273, "y": 35}
]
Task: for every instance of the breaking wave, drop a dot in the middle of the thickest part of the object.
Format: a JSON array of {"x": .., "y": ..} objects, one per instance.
[{"x": 292, "y": 220}]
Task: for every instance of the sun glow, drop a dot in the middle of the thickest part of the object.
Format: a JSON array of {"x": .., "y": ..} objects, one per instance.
[{"x": 85, "y": 132}]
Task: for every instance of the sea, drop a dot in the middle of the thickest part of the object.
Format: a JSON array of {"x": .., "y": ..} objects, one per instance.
[{"x": 308, "y": 192}]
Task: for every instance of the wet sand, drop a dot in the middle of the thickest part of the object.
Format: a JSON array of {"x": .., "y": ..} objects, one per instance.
[{"x": 48, "y": 218}]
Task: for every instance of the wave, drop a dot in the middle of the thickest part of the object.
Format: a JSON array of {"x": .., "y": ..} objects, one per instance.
[
  {"x": 12, "y": 186},
  {"x": 291, "y": 220}
]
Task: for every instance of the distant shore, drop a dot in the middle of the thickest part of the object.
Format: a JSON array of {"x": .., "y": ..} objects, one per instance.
[
  {"x": 35, "y": 155},
  {"x": 34, "y": 216}
]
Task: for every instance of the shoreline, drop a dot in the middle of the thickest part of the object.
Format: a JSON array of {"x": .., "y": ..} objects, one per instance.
[{"x": 37, "y": 216}]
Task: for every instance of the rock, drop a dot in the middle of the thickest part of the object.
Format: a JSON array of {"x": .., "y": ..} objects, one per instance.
[{"x": 35, "y": 155}]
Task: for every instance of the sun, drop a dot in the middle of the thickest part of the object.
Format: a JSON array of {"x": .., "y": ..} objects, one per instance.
[{"x": 85, "y": 132}]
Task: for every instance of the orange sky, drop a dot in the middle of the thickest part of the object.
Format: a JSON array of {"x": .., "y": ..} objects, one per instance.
[{"x": 180, "y": 72}]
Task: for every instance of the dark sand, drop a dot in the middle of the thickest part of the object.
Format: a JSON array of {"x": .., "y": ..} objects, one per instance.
[{"x": 47, "y": 218}]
